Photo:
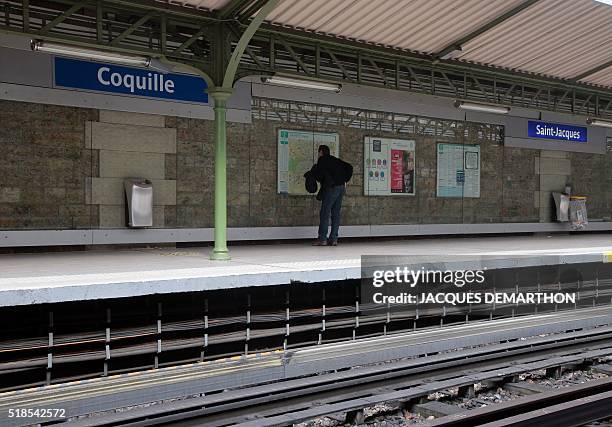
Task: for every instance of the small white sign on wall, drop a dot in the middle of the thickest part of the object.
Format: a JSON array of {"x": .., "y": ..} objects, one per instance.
[{"x": 458, "y": 170}]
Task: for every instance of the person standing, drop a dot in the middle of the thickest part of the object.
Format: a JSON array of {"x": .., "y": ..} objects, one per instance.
[{"x": 333, "y": 174}]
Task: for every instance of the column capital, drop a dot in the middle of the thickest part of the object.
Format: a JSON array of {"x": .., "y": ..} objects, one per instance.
[{"x": 220, "y": 94}]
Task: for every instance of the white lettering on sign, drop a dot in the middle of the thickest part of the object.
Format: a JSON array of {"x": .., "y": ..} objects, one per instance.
[
  {"x": 153, "y": 82},
  {"x": 557, "y": 132}
]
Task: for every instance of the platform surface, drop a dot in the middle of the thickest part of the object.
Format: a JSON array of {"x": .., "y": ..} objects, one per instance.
[{"x": 74, "y": 276}]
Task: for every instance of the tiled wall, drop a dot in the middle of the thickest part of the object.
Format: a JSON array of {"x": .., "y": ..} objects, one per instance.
[{"x": 130, "y": 145}]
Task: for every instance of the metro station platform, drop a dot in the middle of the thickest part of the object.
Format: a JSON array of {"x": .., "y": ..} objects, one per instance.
[{"x": 77, "y": 276}]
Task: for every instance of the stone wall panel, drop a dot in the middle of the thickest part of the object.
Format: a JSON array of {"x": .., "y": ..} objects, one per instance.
[{"x": 49, "y": 170}]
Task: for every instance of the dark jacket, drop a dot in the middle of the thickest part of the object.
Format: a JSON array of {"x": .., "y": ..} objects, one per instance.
[{"x": 331, "y": 171}]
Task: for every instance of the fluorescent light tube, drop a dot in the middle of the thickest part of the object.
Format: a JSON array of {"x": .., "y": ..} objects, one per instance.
[
  {"x": 599, "y": 122},
  {"x": 305, "y": 84},
  {"x": 484, "y": 108},
  {"x": 79, "y": 52},
  {"x": 160, "y": 66}
]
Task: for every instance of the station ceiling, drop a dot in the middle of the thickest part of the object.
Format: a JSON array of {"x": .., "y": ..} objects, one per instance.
[{"x": 563, "y": 39}]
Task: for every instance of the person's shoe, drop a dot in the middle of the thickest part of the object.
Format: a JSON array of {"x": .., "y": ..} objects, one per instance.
[
  {"x": 332, "y": 243},
  {"x": 319, "y": 243}
]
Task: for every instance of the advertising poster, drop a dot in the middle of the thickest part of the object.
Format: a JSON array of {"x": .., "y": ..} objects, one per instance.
[
  {"x": 389, "y": 167},
  {"x": 458, "y": 170},
  {"x": 297, "y": 152}
]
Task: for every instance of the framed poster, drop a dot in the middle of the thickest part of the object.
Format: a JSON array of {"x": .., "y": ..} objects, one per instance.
[
  {"x": 389, "y": 167},
  {"x": 458, "y": 170},
  {"x": 297, "y": 152}
]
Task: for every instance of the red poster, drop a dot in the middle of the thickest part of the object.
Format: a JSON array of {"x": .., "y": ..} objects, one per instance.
[{"x": 397, "y": 171}]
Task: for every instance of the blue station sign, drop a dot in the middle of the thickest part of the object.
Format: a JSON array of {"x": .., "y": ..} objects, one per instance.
[
  {"x": 544, "y": 130},
  {"x": 87, "y": 75}
]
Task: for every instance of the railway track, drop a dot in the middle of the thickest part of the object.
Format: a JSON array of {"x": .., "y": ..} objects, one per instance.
[
  {"x": 291, "y": 402},
  {"x": 288, "y": 387},
  {"x": 58, "y": 343},
  {"x": 567, "y": 407}
]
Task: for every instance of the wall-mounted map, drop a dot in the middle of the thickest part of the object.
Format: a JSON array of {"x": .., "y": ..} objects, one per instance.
[{"x": 297, "y": 152}]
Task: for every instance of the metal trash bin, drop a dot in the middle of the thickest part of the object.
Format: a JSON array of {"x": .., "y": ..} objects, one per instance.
[
  {"x": 578, "y": 212},
  {"x": 139, "y": 194},
  {"x": 562, "y": 203}
]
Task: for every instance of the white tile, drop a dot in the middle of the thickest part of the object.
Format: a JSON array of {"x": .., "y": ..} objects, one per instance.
[
  {"x": 125, "y": 118},
  {"x": 120, "y": 137},
  {"x": 117, "y": 164}
]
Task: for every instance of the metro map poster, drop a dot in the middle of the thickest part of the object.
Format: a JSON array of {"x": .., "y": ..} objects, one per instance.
[
  {"x": 389, "y": 167},
  {"x": 458, "y": 170},
  {"x": 297, "y": 152}
]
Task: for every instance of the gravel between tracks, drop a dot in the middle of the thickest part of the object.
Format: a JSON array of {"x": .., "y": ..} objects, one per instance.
[{"x": 389, "y": 415}]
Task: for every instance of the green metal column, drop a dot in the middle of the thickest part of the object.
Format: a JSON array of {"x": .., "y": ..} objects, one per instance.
[{"x": 220, "y": 96}]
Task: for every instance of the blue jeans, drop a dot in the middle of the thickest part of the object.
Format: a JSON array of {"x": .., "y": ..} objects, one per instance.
[{"x": 330, "y": 206}]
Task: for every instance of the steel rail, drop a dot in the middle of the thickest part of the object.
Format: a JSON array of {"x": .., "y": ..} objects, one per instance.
[
  {"x": 403, "y": 395},
  {"x": 312, "y": 360},
  {"x": 103, "y": 394},
  {"x": 358, "y": 385},
  {"x": 69, "y": 349},
  {"x": 569, "y": 414},
  {"x": 546, "y": 407}
]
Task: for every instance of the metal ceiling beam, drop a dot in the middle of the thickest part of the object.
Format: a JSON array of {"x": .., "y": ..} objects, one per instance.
[
  {"x": 233, "y": 8},
  {"x": 176, "y": 11},
  {"x": 592, "y": 71},
  {"x": 390, "y": 54},
  {"x": 293, "y": 52},
  {"x": 235, "y": 32},
  {"x": 61, "y": 18},
  {"x": 252, "y": 9},
  {"x": 189, "y": 41},
  {"x": 151, "y": 30},
  {"x": 457, "y": 44},
  {"x": 243, "y": 43},
  {"x": 324, "y": 56},
  {"x": 132, "y": 28}
]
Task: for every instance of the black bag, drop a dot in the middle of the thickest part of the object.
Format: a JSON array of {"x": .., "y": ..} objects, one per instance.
[
  {"x": 348, "y": 170},
  {"x": 311, "y": 181}
]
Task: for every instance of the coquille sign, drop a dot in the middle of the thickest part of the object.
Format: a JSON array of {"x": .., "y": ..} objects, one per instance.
[{"x": 100, "y": 77}]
